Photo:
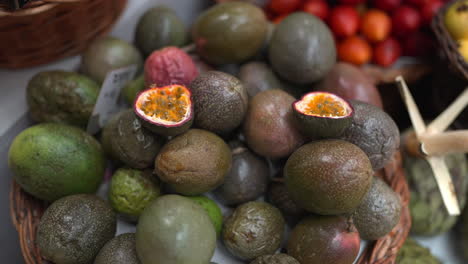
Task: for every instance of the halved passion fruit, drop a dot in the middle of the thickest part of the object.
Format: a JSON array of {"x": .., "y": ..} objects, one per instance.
[
  {"x": 165, "y": 110},
  {"x": 322, "y": 115}
]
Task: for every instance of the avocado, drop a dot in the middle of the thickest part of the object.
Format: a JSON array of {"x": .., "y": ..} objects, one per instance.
[
  {"x": 61, "y": 97},
  {"x": 50, "y": 161},
  {"x": 230, "y": 32},
  {"x": 328, "y": 176},
  {"x": 194, "y": 162},
  {"x": 379, "y": 211},
  {"x": 127, "y": 141},
  {"x": 131, "y": 191},
  {"x": 133, "y": 88},
  {"x": 106, "y": 54},
  {"x": 220, "y": 101},
  {"x": 175, "y": 230},
  {"x": 74, "y": 228},
  {"x": 119, "y": 250},
  {"x": 375, "y": 132},
  {"x": 302, "y": 49},
  {"x": 159, "y": 27}
]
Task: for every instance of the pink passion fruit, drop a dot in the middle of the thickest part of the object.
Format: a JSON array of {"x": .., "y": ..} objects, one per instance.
[
  {"x": 322, "y": 115},
  {"x": 165, "y": 110}
]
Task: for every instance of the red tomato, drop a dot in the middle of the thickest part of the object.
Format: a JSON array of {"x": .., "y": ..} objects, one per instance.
[
  {"x": 354, "y": 50},
  {"x": 405, "y": 20},
  {"x": 387, "y": 52},
  {"x": 284, "y": 6},
  {"x": 344, "y": 21},
  {"x": 387, "y": 5},
  {"x": 376, "y": 25},
  {"x": 318, "y": 8},
  {"x": 351, "y": 2},
  {"x": 417, "y": 44},
  {"x": 429, "y": 10}
]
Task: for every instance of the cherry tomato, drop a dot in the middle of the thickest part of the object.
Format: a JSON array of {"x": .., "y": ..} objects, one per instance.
[
  {"x": 284, "y": 6},
  {"x": 429, "y": 10},
  {"x": 405, "y": 20},
  {"x": 344, "y": 21},
  {"x": 417, "y": 3},
  {"x": 354, "y": 50},
  {"x": 318, "y": 8},
  {"x": 387, "y": 5},
  {"x": 376, "y": 25},
  {"x": 387, "y": 52}
]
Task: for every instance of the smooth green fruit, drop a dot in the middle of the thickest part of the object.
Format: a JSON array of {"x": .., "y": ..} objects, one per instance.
[
  {"x": 379, "y": 211},
  {"x": 159, "y": 27},
  {"x": 127, "y": 141},
  {"x": 213, "y": 210},
  {"x": 51, "y": 161},
  {"x": 73, "y": 229},
  {"x": 106, "y": 54},
  {"x": 254, "y": 229},
  {"x": 131, "y": 191},
  {"x": 175, "y": 230},
  {"x": 302, "y": 49},
  {"x": 133, "y": 88},
  {"x": 61, "y": 97},
  {"x": 328, "y": 176},
  {"x": 119, "y": 250},
  {"x": 230, "y": 32}
]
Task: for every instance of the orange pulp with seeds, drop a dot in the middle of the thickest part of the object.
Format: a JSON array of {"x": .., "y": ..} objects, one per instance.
[
  {"x": 166, "y": 105},
  {"x": 324, "y": 105}
]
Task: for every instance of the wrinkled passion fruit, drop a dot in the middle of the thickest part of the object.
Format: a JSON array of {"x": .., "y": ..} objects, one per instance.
[
  {"x": 322, "y": 115},
  {"x": 165, "y": 110}
]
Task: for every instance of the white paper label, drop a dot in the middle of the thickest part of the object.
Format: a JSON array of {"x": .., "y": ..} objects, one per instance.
[{"x": 106, "y": 104}]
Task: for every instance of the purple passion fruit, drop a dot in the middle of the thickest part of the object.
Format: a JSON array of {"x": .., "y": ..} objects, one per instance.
[
  {"x": 322, "y": 115},
  {"x": 165, "y": 110}
]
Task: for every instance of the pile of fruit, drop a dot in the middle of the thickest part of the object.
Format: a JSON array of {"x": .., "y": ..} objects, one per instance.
[
  {"x": 283, "y": 122},
  {"x": 378, "y": 31}
]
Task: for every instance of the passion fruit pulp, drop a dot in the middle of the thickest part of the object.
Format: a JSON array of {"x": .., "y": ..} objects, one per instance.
[
  {"x": 322, "y": 115},
  {"x": 165, "y": 110}
]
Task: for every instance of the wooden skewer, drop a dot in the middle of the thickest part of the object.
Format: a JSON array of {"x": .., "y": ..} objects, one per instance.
[
  {"x": 444, "y": 143},
  {"x": 448, "y": 116},
  {"x": 413, "y": 111}
]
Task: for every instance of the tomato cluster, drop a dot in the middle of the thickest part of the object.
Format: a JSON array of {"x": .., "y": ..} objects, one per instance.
[{"x": 370, "y": 30}]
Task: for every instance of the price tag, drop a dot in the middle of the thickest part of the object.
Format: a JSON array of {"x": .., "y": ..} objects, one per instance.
[{"x": 107, "y": 102}]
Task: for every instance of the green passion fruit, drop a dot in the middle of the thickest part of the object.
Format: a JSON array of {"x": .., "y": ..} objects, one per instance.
[
  {"x": 322, "y": 115},
  {"x": 165, "y": 110}
]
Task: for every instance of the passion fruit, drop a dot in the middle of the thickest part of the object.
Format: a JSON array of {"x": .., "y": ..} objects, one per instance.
[
  {"x": 165, "y": 110},
  {"x": 322, "y": 115}
]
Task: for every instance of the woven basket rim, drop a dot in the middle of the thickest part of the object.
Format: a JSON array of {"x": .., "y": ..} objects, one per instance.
[{"x": 42, "y": 6}]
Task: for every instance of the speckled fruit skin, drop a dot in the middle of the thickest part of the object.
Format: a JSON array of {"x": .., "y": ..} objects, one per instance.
[
  {"x": 159, "y": 27},
  {"x": 175, "y": 230},
  {"x": 254, "y": 229},
  {"x": 269, "y": 126},
  {"x": 324, "y": 240},
  {"x": 73, "y": 229},
  {"x": 279, "y": 196},
  {"x": 350, "y": 83},
  {"x": 230, "y": 32},
  {"x": 119, "y": 250},
  {"x": 61, "y": 97},
  {"x": 169, "y": 65},
  {"x": 302, "y": 49},
  {"x": 375, "y": 132},
  {"x": 247, "y": 179},
  {"x": 51, "y": 161},
  {"x": 379, "y": 211},
  {"x": 258, "y": 77},
  {"x": 127, "y": 141},
  {"x": 275, "y": 259},
  {"x": 220, "y": 101},
  {"x": 194, "y": 162},
  {"x": 328, "y": 177}
]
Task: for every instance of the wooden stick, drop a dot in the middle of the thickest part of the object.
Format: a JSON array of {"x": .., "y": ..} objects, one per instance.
[
  {"x": 444, "y": 143},
  {"x": 413, "y": 111},
  {"x": 446, "y": 118},
  {"x": 445, "y": 184}
]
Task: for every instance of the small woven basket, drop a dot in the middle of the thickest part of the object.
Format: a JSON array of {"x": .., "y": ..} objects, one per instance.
[
  {"x": 26, "y": 212},
  {"x": 47, "y": 30},
  {"x": 448, "y": 45}
]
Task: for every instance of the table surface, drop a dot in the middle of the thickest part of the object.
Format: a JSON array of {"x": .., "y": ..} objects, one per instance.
[{"x": 13, "y": 119}]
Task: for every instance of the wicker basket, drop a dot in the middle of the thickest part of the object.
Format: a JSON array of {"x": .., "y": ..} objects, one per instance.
[
  {"x": 448, "y": 44},
  {"x": 26, "y": 212},
  {"x": 47, "y": 30}
]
